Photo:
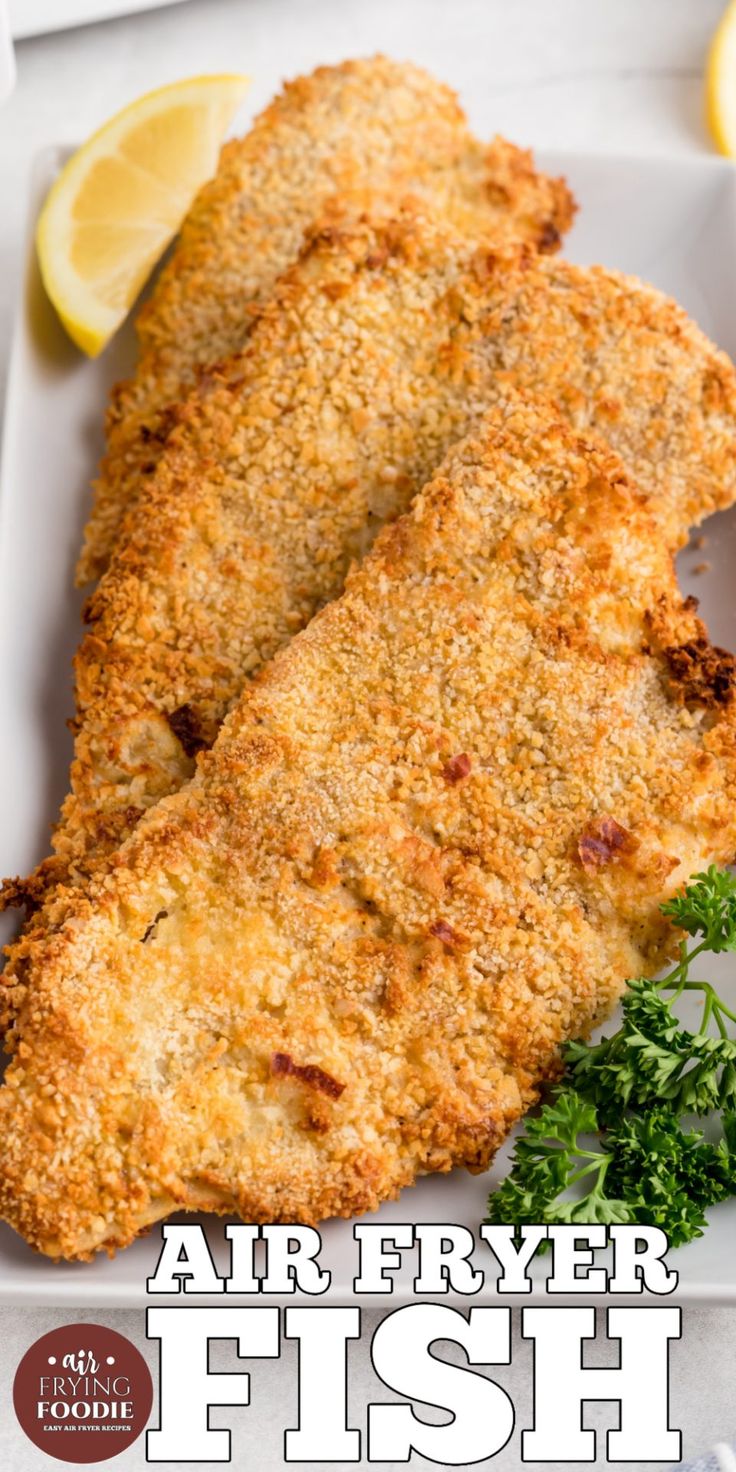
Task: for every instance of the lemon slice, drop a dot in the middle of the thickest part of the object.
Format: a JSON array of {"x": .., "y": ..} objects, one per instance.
[
  {"x": 720, "y": 84},
  {"x": 122, "y": 197}
]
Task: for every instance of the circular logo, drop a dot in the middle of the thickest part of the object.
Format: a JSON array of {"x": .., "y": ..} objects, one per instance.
[{"x": 83, "y": 1393}]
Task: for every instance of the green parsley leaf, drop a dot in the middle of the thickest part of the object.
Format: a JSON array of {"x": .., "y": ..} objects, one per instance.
[
  {"x": 557, "y": 1175},
  {"x": 707, "y": 907},
  {"x": 616, "y": 1142}
]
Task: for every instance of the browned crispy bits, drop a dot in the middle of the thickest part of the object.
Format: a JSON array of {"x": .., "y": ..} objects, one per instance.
[
  {"x": 187, "y": 728},
  {"x": 444, "y": 932},
  {"x": 702, "y": 673},
  {"x": 282, "y": 1064},
  {"x": 603, "y": 842},
  {"x": 457, "y": 768}
]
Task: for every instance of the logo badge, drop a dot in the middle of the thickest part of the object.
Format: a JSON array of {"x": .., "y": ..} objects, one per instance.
[{"x": 83, "y": 1393}]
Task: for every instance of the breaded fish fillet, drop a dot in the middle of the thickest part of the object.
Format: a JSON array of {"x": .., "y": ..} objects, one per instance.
[
  {"x": 383, "y": 346},
  {"x": 370, "y": 125},
  {"x": 429, "y": 844}
]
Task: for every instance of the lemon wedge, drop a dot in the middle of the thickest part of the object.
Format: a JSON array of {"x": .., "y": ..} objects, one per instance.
[
  {"x": 121, "y": 198},
  {"x": 720, "y": 84}
]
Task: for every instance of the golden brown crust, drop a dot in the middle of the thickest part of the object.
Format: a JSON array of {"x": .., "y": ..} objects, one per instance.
[
  {"x": 416, "y": 948},
  {"x": 374, "y": 128},
  {"x": 384, "y": 344}
]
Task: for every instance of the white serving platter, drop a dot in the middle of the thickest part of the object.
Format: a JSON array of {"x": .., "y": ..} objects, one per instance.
[
  {"x": 37, "y": 17},
  {"x": 671, "y": 221}
]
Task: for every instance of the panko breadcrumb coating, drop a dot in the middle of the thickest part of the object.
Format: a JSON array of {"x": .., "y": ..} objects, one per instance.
[
  {"x": 383, "y": 345},
  {"x": 370, "y": 125},
  {"x": 429, "y": 845}
]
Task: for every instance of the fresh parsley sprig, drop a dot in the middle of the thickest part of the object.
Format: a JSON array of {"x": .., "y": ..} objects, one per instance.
[{"x": 613, "y": 1144}]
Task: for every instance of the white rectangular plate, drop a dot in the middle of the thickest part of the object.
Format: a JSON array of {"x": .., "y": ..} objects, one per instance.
[{"x": 670, "y": 221}]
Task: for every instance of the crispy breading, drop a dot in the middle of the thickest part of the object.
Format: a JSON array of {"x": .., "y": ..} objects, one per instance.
[
  {"x": 370, "y": 125},
  {"x": 429, "y": 844},
  {"x": 382, "y": 347}
]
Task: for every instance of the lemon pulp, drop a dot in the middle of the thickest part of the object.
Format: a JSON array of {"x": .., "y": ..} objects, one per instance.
[{"x": 121, "y": 198}]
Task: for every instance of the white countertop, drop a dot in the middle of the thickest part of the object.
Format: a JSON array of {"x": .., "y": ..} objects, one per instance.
[{"x": 622, "y": 75}]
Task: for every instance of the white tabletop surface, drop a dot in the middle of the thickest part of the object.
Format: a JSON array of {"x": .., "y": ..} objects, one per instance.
[{"x": 619, "y": 75}]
